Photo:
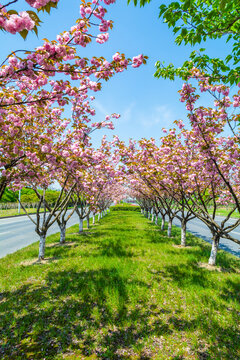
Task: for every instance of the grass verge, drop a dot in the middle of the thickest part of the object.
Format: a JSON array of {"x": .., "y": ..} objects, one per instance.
[
  {"x": 119, "y": 291},
  {"x": 225, "y": 211},
  {"x": 14, "y": 212}
]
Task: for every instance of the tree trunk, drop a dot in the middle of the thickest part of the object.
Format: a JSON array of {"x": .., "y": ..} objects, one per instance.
[
  {"x": 163, "y": 223},
  {"x": 149, "y": 215},
  {"x": 169, "y": 232},
  {"x": 183, "y": 232},
  {"x": 62, "y": 233},
  {"x": 215, "y": 244},
  {"x": 42, "y": 244},
  {"x": 88, "y": 225},
  {"x": 93, "y": 219},
  {"x": 152, "y": 217},
  {"x": 156, "y": 219},
  {"x": 99, "y": 216},
  {"x": 3, "y": 185},
  {"x": 80, "y": 226}
]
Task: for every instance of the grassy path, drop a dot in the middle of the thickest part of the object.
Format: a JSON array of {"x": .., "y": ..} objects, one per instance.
[{"x": 119, "y": 291}]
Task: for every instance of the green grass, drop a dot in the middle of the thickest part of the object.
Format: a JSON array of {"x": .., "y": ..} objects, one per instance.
[
  {"x": 119, "y": 291},
  {"x": 125, "y": 207},
  {"x": 225, "y": 211},
  {"x": 14, "y": 212}
]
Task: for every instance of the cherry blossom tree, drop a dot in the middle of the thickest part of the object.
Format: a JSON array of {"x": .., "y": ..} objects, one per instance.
[{"x": 32, "y": 82}]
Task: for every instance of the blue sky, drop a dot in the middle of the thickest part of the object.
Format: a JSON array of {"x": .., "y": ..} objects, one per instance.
[{"x": 146, "y": 104}]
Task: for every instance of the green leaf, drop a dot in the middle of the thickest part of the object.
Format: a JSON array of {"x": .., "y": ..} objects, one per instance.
[
  {"x": 222, "y": 4},
  {"x": 186, "y": 5},
  {"x": 24, "y": 33},
  {"x": 34, "y": 17},
  {"x": 35, "y": 29},
  {"x": 162, "y": 9},
  {"x": 11, "y": 12}
]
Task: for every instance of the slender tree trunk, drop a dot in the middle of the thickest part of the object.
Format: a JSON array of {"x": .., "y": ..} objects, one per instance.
[
  {"x": 183, "y": 232},
  {"x": 93, "y": 219},
  {"x": 62, "y": 233},
  {"x": 163, "y": 223},
  {"x": 88, "y": 225},
  {"x": 169, "y": 232},
  {"x": 3, "y": 185},
  {"x": 152, "y": 217},
  {"x": 156, "y": 219},
  {"x": 215, "y": 244},
  {"x": 42, "y": 244},
  {"x": 149, "y": 215},
  {"x": 99, "y": 216},
  {"x": 80, "y": 226}
]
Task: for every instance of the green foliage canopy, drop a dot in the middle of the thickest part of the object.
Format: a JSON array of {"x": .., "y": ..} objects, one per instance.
[
  {"x": 28, "y": 196},
  {"x": 195, "y": 21}
]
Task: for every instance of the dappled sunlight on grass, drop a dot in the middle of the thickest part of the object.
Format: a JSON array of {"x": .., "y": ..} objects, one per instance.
[{"x": 119, "y": 290}]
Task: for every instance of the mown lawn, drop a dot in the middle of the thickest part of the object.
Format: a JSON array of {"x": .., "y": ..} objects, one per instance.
[
  {"x": 224, "y": 211},
  {"x": 119, "y": 291},
  {"x": 14, "y": 212}
]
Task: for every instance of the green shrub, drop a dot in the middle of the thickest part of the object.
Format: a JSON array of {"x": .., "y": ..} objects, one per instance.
[
  {"x": 9, "y": 196},
  {"x": 125, "y": 207},
  {"x": 29, "y": 198}
]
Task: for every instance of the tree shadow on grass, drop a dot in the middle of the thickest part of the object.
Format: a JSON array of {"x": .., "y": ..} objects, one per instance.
[
  {"x": 231, "y": 291},
  {"x": 114, "y": 247},
  {"x": 225, "y": 247},
  {"x": 156, "y": 236},
  {"x": 216, "y": 340},
  {"x": 218, "y": 336},
  {"x": 123, "y": 229},
  {"x": 189, "y": 274},
  {"x": 72, "y": 310},
  {"x": 201, "y": 248},
  {"x": 184, "y": 275}
]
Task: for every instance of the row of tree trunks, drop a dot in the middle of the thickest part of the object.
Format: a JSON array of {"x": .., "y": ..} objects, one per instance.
[{"x": 215, "y": 237}]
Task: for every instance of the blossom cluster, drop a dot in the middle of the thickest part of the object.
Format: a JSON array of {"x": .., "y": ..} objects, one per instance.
[{"x": 15, "y": 22}]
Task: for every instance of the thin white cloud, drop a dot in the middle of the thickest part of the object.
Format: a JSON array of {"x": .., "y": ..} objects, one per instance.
[
  {"x": 127, "y": 114},
  {"x": 160, "y": 115},
  {"x": 99, "y": 107}
]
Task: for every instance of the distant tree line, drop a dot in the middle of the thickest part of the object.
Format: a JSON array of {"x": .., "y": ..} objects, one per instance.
[{"x": 27, "y": 196}]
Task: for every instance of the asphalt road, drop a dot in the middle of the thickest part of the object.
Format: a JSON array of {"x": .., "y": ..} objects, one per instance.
[
  {"x": 18, "y": 232},
  {"x": 199, "y": 229}
]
